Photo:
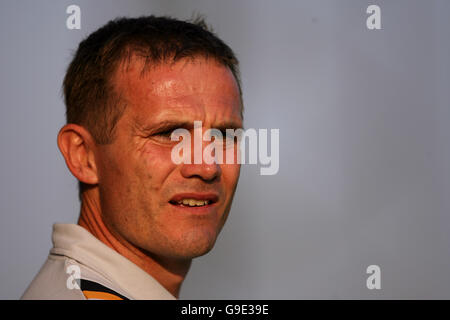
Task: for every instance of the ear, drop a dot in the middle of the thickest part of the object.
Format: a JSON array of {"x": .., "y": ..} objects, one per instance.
[{"x": 77, "y": 147}]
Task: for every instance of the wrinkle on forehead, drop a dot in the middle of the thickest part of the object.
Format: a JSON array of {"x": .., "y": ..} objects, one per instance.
[{"x": 186, "y": 84}]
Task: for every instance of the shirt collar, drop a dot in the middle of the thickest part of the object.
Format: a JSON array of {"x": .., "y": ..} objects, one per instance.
[{"x": 79, "y": 244}]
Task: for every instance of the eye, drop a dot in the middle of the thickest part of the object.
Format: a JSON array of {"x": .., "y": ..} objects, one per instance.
[
  {"x": 163, "y": 136},
  {"x": 227, "y": 139},
  {"x": 166, "y": 133}
]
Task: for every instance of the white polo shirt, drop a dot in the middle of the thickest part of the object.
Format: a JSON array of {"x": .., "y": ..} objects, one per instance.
[{"x": 82, "y": 267}]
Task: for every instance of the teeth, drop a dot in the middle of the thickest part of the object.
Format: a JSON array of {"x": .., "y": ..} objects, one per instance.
[{"x": 193, "y": 202}]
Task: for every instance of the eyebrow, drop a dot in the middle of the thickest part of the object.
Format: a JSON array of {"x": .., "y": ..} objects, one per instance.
[{"x": 166, "y": 125}]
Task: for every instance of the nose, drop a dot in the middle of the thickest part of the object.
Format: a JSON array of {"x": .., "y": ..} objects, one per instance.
[
  {"x": 203, "y": 170},
  {"x": 207, "y": 172}
]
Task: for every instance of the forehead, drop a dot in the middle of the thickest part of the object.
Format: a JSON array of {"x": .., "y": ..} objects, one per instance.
[{"x": 186, "y": 90}]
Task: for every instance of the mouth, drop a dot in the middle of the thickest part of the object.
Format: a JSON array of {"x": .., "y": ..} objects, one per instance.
[{"x": 194, "y": 200}]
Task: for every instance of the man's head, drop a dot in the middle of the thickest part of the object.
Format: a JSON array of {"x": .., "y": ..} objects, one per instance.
[{"x": 130, "y": 84}]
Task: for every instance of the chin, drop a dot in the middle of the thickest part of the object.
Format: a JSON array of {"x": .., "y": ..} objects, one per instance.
[{"x": 195, "y": 244}]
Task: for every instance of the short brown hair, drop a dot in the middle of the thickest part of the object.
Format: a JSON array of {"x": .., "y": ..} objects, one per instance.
[{"x": 90, "y": 97}]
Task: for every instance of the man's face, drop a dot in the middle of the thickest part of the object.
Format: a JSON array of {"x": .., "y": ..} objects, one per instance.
[{"x": 138, "y": 182}]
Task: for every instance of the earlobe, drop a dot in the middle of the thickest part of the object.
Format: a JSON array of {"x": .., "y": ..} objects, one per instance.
[{"x": 77, "y": 146}]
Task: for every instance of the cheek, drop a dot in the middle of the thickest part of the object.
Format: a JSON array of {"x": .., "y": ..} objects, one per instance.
[
  {"x": 142, "y": 184},
  {"x": 230, "y": 173},
  {"x": 113, "y": 174},
  {"x": 154, "y": 165},
  {"x": 133, "y": 174}
]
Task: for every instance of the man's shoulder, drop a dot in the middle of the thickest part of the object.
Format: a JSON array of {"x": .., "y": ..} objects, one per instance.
[
  {"x": 53, "y": 281},
  {"x": 63, "y": 278}
]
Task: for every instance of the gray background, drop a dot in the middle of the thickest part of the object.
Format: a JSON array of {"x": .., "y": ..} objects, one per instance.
[{"x": 364, "y": 119}]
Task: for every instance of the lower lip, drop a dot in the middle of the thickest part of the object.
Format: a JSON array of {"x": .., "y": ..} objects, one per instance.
[{"x": 200, "y": 210}]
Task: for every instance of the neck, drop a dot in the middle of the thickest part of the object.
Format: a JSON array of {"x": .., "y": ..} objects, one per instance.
[{"x": 170, "y": 273}]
